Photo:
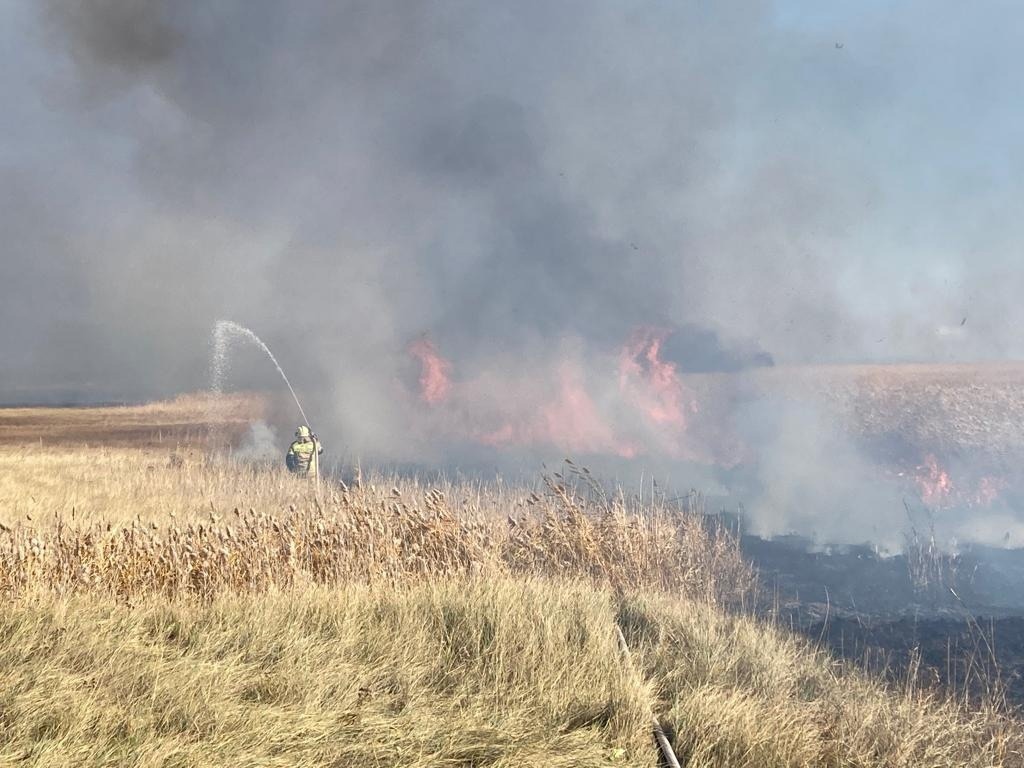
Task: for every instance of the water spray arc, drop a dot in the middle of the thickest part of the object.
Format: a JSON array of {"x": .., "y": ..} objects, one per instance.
[{"x": 224, "y": 333}]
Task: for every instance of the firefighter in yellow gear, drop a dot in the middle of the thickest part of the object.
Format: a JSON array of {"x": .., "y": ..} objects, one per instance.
[{"x": 303, "y": 458}]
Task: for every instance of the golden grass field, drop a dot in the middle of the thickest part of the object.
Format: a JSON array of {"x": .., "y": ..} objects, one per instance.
[
  {"x": 975, "y": 407},
  {"x": 164, "y": 608},
  {"x": 159, "y": 426}
]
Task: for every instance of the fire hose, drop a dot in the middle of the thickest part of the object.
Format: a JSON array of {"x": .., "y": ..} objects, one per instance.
[
  {"x": 315, "y": 461},
  {"x": 668, "y": 755}
]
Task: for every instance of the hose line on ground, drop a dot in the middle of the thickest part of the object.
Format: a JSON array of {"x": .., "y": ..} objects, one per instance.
[{"x": 668, "y": 756}]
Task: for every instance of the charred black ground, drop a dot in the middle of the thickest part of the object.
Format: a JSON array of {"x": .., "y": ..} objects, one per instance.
[{"x": 958, "y": 619}]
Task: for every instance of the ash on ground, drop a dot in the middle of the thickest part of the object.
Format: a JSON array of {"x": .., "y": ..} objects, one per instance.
[{"x": 957, "y": 619}]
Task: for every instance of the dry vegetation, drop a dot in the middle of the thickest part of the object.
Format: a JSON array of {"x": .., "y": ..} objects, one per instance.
[
  {"x": 456, "y": 672},
  {"x": 449, "y": 673},
  {"x": 168, "y": 611},
  {"x": 976, "y": 408},
  {"x": 164, "y": 424},
  {"x": 229, "y": 528}
]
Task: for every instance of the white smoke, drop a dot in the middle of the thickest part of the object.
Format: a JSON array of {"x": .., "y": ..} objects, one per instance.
[{"x": 260, "y": 445}]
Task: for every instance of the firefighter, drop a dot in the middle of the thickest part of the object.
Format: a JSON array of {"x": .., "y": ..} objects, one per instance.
[{"x": 303, "y": 458}]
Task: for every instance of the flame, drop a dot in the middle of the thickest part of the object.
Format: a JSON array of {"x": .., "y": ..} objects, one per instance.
[
  {"x": 435, "y": 371},
  {"x": 648, "y": 413},
  {"x": 989, "y": 489},
  {"x": 571, "y": 422},
  {"x": 640, "y": 407},
  {"x": 934, "y": 483},
  {"x": 650, "y": 383},
  {"x": 654, "y": 388},
  {"x": 937, "y": 488}
]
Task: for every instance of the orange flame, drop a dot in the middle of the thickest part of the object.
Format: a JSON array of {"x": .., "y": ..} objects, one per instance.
[
  {"x": 650, "y": 415},
  {"x": 435, "y": 381},
  {"x": 571, "y": 422},
  {"x": 650, "y": 383},
  {"x": 989, "y": 489},
  {"x": 655, "y": 388},
  {"x": 934, "y": 483},
  {"x": 937, "y": 489}
]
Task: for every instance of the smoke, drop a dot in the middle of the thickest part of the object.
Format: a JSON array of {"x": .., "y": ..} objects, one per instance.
[
  {"x": 528, "y": 185},
  {"x": 814, "y": 480},
  {"x": 261, "y": 445}
]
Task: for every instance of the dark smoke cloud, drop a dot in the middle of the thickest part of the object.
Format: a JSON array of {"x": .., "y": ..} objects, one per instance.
[
  {"x": 422, "y": 168},
  {"x": 344, "y": 176}
]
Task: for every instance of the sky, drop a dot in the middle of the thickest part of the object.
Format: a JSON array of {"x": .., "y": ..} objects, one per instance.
[{"x": 795, "y": 181}]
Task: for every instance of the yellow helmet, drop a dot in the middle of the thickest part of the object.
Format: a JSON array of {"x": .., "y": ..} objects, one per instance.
[{"x": 302, "y": 431}]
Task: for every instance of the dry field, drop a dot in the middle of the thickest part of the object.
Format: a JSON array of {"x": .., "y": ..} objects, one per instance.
[
  {"x": 163, "y": 609},
  {"x": 976, "y": 408},
  {"x": 460, "y": 671},
  {"x": 164, "y": 425}
]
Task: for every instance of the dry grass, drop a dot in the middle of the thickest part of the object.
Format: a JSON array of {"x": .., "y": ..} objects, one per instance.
[
  {"x": 164, "y": 424},
  {"x": 946, "y": 409},
  {"x": 464, "y": 671},
  {"x": 148, "y": 623},
  {"x": 459, "y": 673},
  {"x": 228, "y": 527},
  {"x": 950, "y": 410},
  {"x": 739, "y": 694}
]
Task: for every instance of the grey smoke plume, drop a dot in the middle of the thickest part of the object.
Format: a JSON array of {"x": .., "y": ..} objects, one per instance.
[
  {"x": 261, "y": 445},
  {"x": 781, "y": 182}
]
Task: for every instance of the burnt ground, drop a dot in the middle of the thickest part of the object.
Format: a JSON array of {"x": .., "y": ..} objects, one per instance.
[
  {"x": 961, "y": 625},
  {"x": 976, "y": 656}
]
